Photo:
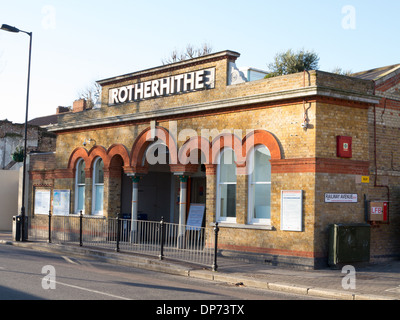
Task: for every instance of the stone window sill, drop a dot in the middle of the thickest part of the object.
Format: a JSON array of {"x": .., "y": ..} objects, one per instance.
[{"x": 244, "y": 226}]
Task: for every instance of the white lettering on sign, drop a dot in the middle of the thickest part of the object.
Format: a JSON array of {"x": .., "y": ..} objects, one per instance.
[{"x": 181, "y": 83}]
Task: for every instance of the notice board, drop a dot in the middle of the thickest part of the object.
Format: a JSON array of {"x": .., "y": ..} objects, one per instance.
[
  {"x": 196, "y": 215},
  {"x": 61, "y": 201},
  {"x": 292, "y": 210},
  {"x": 42, "y": 201}
]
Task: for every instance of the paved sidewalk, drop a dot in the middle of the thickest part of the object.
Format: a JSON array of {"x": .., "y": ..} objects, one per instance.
[{"x": 372, "y": 282}]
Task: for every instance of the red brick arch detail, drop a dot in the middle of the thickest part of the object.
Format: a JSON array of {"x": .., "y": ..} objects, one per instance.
[
  {"x": 144, "y": 140},
  {"x": 77, "y": 154},
  {"x": 98, "y": 151},
  {"x": 228, "y": 140},
  {"x": 261, "y": 137},
  {"x": 120, "y": 150},
  {"x": 195, "y": 143}
]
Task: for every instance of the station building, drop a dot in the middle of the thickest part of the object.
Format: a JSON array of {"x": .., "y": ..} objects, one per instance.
[{"x": 275, "y": 161}]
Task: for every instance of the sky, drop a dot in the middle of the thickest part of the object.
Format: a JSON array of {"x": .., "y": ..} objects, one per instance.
[{"x": 75, "y": 43}]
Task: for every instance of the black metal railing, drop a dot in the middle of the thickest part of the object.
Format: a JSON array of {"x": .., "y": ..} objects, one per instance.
[{"x": 156, "y": 238}]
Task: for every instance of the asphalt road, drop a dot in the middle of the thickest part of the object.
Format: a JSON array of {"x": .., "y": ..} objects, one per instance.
[{"x": 31, "y": 275}]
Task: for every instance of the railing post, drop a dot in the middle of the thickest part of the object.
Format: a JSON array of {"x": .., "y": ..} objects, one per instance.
[
  {"x": 161, "y": 256},
  {"x": 80, "y": 229},
  {"x": 216, "y": 229},
  {"x": 118, "y": 231},
  {"x": 49, "y": 226}
]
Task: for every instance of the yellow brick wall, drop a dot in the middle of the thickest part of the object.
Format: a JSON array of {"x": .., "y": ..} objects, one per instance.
[{"x": 335, "y": 120}]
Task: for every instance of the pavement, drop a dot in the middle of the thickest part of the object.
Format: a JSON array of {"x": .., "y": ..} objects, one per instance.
[{"x": 372, "y": 281}]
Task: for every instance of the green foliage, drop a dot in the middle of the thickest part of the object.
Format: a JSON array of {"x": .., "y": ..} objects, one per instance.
[
  {"x": 292, "y": 62},
  {"x": 18, "y": 155},
  {"x": 342, "y": 72}
]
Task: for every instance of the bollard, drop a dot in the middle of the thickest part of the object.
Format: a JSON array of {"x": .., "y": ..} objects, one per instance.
[
  {"x": 80, "y": 229},
  {"x": 161, "y": 256},
  {"x": 216, "y": 229},
  {"x": 49, "y": 227}
]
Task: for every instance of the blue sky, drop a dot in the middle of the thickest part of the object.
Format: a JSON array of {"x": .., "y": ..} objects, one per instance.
[{"x": 78, "y": 42}]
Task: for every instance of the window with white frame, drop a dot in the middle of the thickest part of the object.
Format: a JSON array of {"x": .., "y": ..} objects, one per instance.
[
  {"x": 80, "y": 186},
  {"x": 226, "y": 187},
  {"x": 98, "y": 187},
  {"x": 259, "y": 186}
]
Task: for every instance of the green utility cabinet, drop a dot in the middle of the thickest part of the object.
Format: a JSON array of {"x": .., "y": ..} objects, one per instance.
[{"x": 349, "y": 243}]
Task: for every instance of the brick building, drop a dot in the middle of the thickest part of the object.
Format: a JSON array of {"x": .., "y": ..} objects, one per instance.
[
  {"x": 275, "y": 161},
  {"x": 12, "y": 138}
]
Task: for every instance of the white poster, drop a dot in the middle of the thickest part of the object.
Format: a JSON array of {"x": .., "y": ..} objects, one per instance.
[
  {"x": 61, "y": 201},
  {"x": 292, "y": 210},
  {"x": 42, "y": 201}
]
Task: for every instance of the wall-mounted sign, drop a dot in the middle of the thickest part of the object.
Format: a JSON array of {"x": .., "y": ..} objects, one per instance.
[
  {"x": 378, "y": 211},
  {"x": 292, "y": 210},
  {"x": 182, "y": 83},
  {"x": 42, "y": 201},
  {"x": 61, "y": 201},
  {"x": 365, "y": 179},
  {"x": 196, "y": 215},
  {"x": 341, "y": 197}
]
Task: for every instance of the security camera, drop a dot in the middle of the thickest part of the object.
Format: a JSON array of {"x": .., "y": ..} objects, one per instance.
[{"x": 84, "y": 143}]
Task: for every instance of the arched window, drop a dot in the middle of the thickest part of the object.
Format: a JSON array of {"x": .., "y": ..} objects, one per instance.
[
  {"x": 98, "y": 187},
  {"x": 259, "y": 179},
  {"x": 226, "y": 187},
  {"x": 80, "y": 186}
]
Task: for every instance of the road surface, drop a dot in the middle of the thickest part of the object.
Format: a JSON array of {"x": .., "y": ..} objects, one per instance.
[{"x": 26, "y": 274}]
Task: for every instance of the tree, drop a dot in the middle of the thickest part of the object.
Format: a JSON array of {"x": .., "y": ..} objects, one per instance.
[
  {"x": 189, "y": 53},
  {"x": 91, "y": 94},
  {"x": 342, "y": 72},
  {"x": 291, "y": 62}
]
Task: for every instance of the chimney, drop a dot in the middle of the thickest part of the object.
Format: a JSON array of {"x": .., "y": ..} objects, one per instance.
[
  {"x": 79, "y": 105},
  {"x": 62, "y": 110}
]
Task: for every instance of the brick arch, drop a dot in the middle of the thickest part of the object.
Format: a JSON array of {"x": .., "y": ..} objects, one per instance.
[
  {"x": 78, "y": 153},
  {"x": 195, "y": 143},
  {"x": 261, "y": 137},
  {"x": 98, "y": 151},
  {"x": 226, "y": 140},
  {"x": 120, "y": 150},
  {"x": 145, "y": 139}
]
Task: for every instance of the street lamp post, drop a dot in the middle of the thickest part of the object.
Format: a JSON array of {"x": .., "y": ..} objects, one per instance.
[{"x": 8, "y": 28}]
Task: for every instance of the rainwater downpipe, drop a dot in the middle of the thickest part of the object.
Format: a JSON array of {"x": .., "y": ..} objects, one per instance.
[{"x": 375, "y": 159}]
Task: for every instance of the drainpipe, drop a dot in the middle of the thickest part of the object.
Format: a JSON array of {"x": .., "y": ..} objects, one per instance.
[{"x": 375, "y": 159}]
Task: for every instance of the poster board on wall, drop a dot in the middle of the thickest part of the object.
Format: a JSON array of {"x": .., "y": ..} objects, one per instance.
[
  {"x": 292, "y": 210},
  {"x": 61, "y": 202},
  {"x": 42, "y": 201}
]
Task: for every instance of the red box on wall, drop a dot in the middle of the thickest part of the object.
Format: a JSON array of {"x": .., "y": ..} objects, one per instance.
[
  {"x": 344, "y": 146},
  {"x": 378, "y": 211}
]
